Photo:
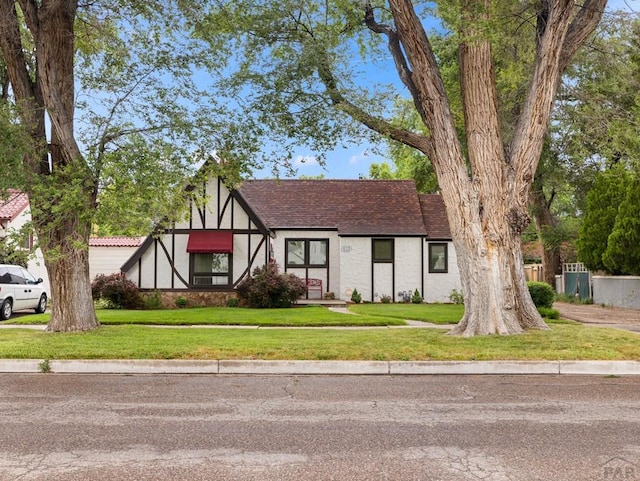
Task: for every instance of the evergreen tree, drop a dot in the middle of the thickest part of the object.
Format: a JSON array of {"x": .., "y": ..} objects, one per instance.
[
  {"x": 599, "y": 219},
  {"x": 622, "y": 254}
]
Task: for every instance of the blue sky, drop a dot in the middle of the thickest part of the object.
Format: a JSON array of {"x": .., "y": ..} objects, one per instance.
[{"x": 351, "y": 162}]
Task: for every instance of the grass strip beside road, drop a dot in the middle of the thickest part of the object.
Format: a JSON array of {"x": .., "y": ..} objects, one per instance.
[{"x": 562, "y": 342}]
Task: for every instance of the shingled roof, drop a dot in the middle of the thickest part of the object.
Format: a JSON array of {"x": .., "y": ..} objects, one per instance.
[
  {"x": 15, "y": 202},
  {"x": 352, "y": 207},
  {"x": 115, "y": 241},
  {"x": 434, "y": 216}
]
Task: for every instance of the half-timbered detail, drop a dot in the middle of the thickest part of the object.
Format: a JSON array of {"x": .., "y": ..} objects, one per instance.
[{"x": 337, "y": 235}]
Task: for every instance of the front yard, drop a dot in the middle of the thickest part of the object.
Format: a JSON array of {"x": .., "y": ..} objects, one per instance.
[{"x": 565, "y": 341}]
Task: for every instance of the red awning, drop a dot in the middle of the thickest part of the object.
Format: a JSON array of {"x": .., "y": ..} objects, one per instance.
[{"x": 205, "y": 242}]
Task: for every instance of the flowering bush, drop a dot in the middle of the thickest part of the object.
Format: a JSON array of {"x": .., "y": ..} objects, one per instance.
[
  {"x": 119, "y": 291},
  {"x": 266, "y": 288}
]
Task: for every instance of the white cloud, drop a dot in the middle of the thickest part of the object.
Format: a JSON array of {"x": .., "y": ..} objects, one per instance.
[
  {"x": 355, "y": 159},
  {"x": 305, "y": 160}
]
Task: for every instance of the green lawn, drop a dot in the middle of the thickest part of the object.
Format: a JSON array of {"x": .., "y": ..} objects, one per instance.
[
  {"x": 435, "y": 313},
  {"x": 564, "y": 341},
  {"x": 311, "y": 316},
  {"x": 131, "y": 335}
]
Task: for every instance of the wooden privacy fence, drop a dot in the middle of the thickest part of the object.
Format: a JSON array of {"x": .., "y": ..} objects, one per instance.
[{"x": 533, "y": 272}]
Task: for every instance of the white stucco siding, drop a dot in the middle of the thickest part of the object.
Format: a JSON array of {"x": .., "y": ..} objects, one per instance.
[
  {"x": 108, "y": 260},
  {"x": 438, "y": 286},
  {"x": 382, "y": 281},
  {"x": 240, "y": 218},
  {"x": 243, "y": 251},
  {"x": 217, "y": 196},
  {"x": 132, "y": 274},
  {"x": 181, "y": 260},
  {"x": 408, "y": 265},
  {"x": 148, "y": 267},
  {"x": 164, "y": 272},
  {"x": 355, "y": 267}
]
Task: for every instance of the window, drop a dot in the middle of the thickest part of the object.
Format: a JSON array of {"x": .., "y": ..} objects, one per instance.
[
  {"x": 382, "y": 250},
  {"x": 210, "y": 269},
  {"x": 307, "y": 252},
  {"x": 438, "y": 258}
]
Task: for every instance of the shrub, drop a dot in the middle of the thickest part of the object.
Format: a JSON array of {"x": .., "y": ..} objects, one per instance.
[
  {"x": 356, "y": 297},
  {"x": 541, "y": 293},
  {"x": 549, "y": 313},
  {"x": 385, "y": 299},
  {"x": 456, "y": 297},
  {"x": 329, "y": 296},
  {"x": 233, "y": 302},
  {"x": 118, "y": 290},
  {"x": 153, "y": 300},
  {"x": 181, "y": 301},
  {"x": 416, "y": 298},
  {"x": 266, "y": 288}
]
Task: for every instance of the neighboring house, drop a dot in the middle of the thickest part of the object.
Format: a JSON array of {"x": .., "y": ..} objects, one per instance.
[
  {"x": 14, "y": 214},
  {"x": 377, "y": 236},
  {"x": 107, "y": 254}
]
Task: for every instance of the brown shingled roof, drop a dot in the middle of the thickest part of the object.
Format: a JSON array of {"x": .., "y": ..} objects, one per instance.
[
  {"x": 353, "y": 207},
  {"x": 15, "y": 202},
  {"x": 435, "y": 216}
]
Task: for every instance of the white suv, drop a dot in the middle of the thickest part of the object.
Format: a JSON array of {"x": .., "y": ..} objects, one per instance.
[{"x": 20, "y": 290}]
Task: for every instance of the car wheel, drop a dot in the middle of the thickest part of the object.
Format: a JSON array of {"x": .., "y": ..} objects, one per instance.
[
  {"x": 6, "y": 310},
  {"x": 42, "y": 304}
]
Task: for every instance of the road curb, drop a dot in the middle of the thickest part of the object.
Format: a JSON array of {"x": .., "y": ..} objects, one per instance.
[{"x": 374, "y": 368}]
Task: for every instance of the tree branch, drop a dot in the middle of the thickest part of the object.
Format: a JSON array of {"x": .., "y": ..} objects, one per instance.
[
  {"x": 383, "y": 127},
  {"x": 406, "y": 76},
  {"x": 555, "y": 30},
  {"x": 583, "y": 24}
]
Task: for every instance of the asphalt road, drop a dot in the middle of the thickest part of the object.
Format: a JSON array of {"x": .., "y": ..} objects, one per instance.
[{"x": 305, "y": 428}]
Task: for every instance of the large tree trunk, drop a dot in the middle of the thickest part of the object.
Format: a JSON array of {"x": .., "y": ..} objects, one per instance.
[
  {"x": 497, "y": 299},
  {"x": 61, "y": 187},
  {"x": 72, "y": 308},
  {"x": 486, "y": 194}
]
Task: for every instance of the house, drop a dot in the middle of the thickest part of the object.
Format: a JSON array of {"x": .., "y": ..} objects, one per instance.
[
  {"x": 107, "y": 254},
  {"x": 14, "y": 215},
  {"x": 377, "y": 236}
]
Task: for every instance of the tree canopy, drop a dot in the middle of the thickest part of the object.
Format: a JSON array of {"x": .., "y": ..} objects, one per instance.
[
  {"x": 107, "y": 97},
  {"x": 308, "y": 68}
]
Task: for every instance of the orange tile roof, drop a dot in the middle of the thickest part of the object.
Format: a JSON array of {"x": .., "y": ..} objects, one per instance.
[
  {"x": 115, "y": 241},
  {"x": 14, "y": 203}
]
